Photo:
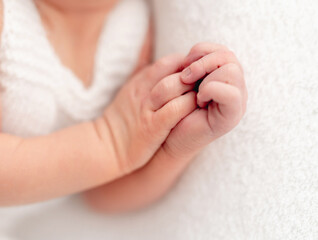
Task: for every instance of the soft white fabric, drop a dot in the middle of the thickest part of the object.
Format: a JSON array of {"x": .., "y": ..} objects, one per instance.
[
  {"x": 40, "y": 94},
  {"x": 260, "y": 182}
]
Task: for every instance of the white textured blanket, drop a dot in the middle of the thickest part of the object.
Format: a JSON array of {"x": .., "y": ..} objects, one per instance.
[{"x": 261, "y": 180}]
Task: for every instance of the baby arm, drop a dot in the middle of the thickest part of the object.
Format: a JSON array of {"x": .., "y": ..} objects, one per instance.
[
  {"x": 147, "y": 184},
  {"x": 87, "y": 155},
  {"x": 194, "y": 132},
  {"x": 65, "y": 162}
]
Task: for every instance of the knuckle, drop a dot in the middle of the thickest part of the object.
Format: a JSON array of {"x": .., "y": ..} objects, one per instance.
[
  {"x": 165, "y": 85},
  {"x": 233, "y": 74},
  {"x": 232, "y": 58},
  {"x": 156, "y": 97},
  {"x": 228, "y": 55},
  {"x": 205, "y": 48},
  {"x": 158, "y": 93},
  {"x": 232, "y": 70},
  {"x": 197, "y": 47},
  {"x": 197, "y": 66},
  {"x": 225, "y": 57},
  {"x": 201, "y": 63},
  {"x": 202, "y": 48}
]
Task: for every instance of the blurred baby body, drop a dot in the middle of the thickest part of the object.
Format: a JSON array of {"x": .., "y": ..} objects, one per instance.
[
  {"x": 49, "y": 83},
  {"x": 61, "y": 63}
]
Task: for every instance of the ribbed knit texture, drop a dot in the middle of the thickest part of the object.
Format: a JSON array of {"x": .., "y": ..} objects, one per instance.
[{"x": 40, "y": 94}]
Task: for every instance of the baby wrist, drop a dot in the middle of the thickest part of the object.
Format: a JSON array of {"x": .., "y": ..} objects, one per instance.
[
  {"x": 117, "y": 137},
  {"x": 108, "y": 146}
]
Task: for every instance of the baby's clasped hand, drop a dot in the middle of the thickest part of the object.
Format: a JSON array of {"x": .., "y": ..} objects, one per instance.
[
  {"x": 145, "y": 110},
  {"x": 159, "y": 108},
  {"x": 219, "y": 106},
  {"x": 222, "y": 98}
]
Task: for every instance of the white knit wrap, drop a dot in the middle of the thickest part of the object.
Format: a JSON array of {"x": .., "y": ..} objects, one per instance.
[{"x": 40, "y": 94}]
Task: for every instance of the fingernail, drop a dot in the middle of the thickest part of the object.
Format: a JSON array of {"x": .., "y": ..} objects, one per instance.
[
  {"x": 186, "y": 73},
  {"x": 198, "y": 97}
]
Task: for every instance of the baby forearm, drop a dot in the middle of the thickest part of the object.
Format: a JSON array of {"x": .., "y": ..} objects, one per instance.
[
  {"x": 65, "y": 162},
  {"x": 140, "y": 188}
]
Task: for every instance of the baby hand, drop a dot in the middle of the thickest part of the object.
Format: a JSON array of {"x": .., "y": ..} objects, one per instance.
[
  {"x": 145, "y": 110},
  {"x": 222, "y": 98}
]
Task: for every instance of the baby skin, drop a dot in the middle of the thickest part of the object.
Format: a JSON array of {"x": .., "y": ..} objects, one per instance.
[
  {"x": 122, "y": 140},
  {"x": 156, "y": 106},
  {"x": 145, "y": 138},
  {"x": 140, "y": 145}
]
